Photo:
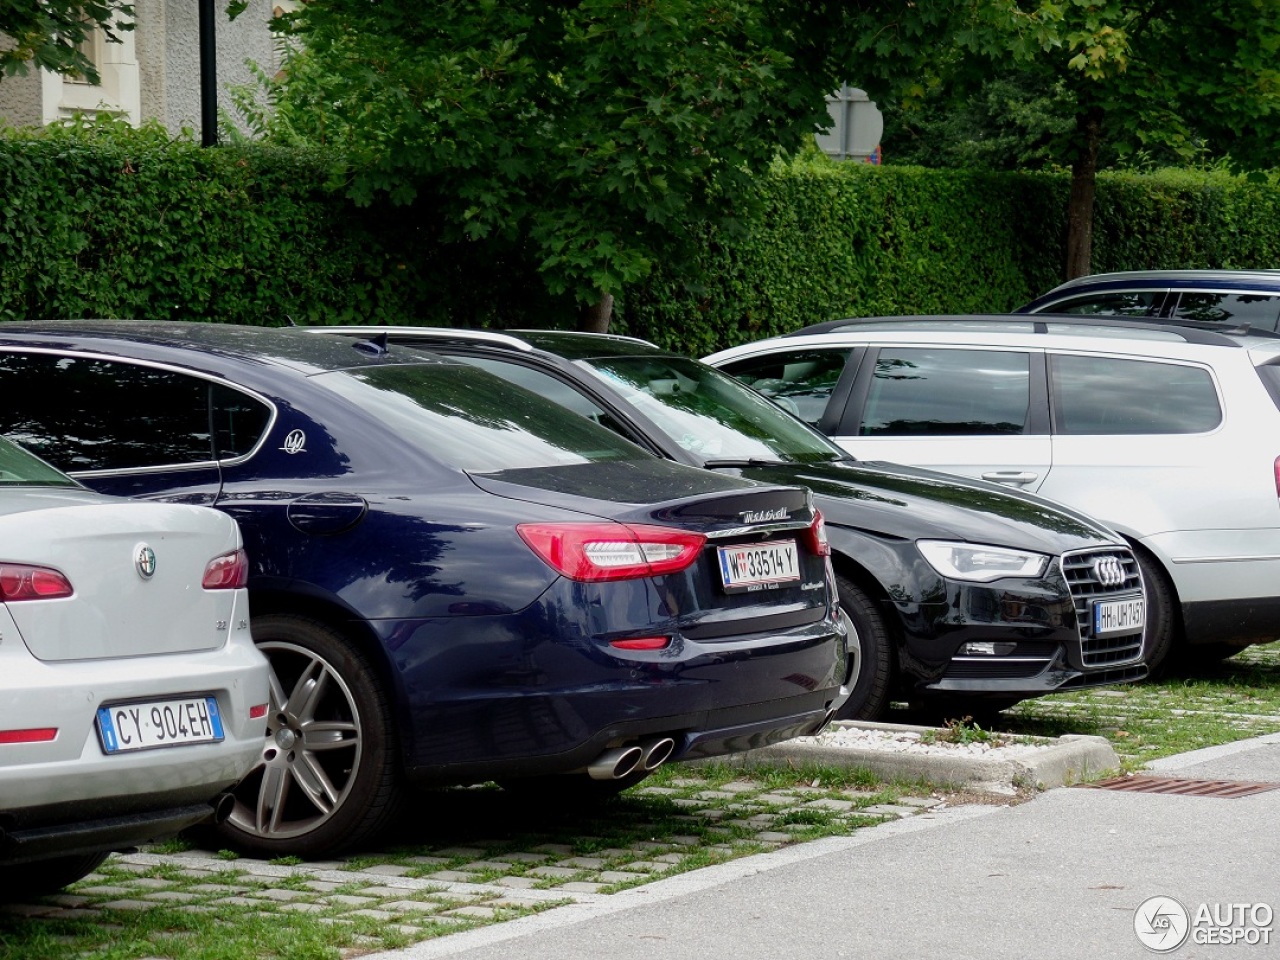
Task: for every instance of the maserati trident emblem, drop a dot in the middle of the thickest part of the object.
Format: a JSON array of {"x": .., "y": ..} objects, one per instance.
[
  {"x": 295, "y": 442},
  {"x": 144, "y": 558},
  {"x": 1109, "y": 571}
]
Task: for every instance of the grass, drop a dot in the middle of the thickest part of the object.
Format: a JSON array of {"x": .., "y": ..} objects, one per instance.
[
  {"x": 684, "y": 818},
  {"x": 1233, "y": 700}
]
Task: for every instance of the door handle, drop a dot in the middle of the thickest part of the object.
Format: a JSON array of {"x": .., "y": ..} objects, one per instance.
[{"x": 1010, "y": 476}]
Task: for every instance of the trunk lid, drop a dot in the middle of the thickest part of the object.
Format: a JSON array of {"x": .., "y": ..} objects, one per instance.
[{"x": 116, "y": 611}]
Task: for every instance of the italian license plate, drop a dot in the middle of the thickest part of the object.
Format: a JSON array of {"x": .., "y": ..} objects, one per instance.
[
  {"x": 1118, "y": 616},
  {"x": 759, "y": 564},
  {"x": 124, "y": 727}
]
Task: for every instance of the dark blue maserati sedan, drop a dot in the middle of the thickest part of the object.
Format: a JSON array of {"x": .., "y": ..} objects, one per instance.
[{"x": 455, "y": 580}]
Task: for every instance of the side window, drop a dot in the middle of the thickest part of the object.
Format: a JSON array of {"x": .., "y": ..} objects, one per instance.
[
  {"x": 1098, "y": 395},
  {"x": 89, "y": 414},
  {"x": 800, "y": 382},
  {"x": 1259, "y": 310},
  {"x": 238, "y": 421},
  {"x": 1140, "y": 303},
  {"x": 918, "y": 392}
]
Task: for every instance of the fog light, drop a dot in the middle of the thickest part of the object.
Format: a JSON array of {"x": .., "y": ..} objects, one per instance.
[{"x": 984, "y": 648}]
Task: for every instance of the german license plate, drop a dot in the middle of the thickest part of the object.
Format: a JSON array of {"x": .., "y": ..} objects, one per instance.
[
  {"x": 758, "y": 564},
  {"x": 124, "y": 727},
  {"x": 1118, "y": 616}
]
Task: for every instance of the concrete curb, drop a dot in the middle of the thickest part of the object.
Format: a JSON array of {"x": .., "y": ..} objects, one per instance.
[{"x": 1067, "y": 760}]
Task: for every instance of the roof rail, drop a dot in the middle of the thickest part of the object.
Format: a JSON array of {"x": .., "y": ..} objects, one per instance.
[
  {"x": 407, "y": 335},
  {"x": 1193, "y": 331}
]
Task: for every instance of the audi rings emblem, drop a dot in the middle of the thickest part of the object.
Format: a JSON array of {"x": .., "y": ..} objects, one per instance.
[
  {"x": 1109, "y": 571},
  {"x": 144, "y": 558}
]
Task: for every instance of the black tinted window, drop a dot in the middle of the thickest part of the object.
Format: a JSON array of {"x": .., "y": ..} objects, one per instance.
[
  {"x": 1256, "y": 309},
  {"x": 932, "y": 392},
  {"x": 1140, "y": 303},
  {"x": 800, "y": 382},
  {"x": 87, "y": 414},
  {"x": 1095, "y": 395},
  {"x": 475, "y": 421}
]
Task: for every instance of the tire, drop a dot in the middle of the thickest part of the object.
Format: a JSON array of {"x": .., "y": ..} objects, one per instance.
[
  {"x": 330, "y": 772},
  {"x": 1162, "y": 618},
  {"x": 24, "y": 880},
  {"x": 871, "y": 689}
]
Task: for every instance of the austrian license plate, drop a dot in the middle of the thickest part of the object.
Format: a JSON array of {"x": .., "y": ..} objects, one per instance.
[
  {"x": 124, "y": 727},
  {"x": 1118, "y": 616},
  {"x": 760, "y": 564}
]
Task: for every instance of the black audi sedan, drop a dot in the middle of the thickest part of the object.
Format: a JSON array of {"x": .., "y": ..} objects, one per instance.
[
  {"x": 965, "y": 595},
  {"x": 454, "y": 579}
]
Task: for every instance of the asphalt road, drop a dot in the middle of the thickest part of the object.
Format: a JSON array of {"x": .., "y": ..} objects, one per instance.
[{"x": 1061, "y": 876}]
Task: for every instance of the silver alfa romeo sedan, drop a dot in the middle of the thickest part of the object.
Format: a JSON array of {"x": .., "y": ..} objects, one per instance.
[{"x": 132, "y": 697}]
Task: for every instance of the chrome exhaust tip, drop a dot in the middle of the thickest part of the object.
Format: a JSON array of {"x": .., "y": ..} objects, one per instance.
[
  {"x": 616, "y": 763},
  {"x": 656, "y": 752}
]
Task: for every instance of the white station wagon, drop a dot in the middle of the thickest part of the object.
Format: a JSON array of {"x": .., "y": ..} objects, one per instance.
[
  {"x": 132, "y": 697},
  {"x": 1168, "y": 433}
]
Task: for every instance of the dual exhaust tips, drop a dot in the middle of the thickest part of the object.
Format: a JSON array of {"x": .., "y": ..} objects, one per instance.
[{"x": 618, "y": 762}]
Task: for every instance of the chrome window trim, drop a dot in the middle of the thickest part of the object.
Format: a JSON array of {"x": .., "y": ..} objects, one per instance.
[{"x": 168, "y": 368}]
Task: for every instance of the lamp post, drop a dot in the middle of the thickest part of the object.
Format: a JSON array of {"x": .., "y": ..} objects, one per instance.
[{"x": 208, "y": 77}]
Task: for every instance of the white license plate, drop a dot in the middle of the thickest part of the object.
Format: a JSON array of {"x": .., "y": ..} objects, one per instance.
[
  {"x": 759, "y": 564},
  {"x": 123, "y": 727},
  {"x": 1118, "y": 616}
]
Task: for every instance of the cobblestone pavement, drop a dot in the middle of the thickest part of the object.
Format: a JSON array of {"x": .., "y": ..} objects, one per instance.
[{"x": 456, "y": 877}]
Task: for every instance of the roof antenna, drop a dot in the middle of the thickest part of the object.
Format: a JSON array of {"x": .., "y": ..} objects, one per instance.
[{"x": 374, "y": 347}]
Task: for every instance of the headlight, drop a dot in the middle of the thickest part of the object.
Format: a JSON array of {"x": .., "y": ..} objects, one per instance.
[{"x": 969, "y": 561}]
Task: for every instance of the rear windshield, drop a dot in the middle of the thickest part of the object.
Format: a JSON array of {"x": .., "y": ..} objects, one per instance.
[
  {"x": 475, "y": 421},
  {"x": 19, "y": 467},
  {"x": 712, "y": 415}
]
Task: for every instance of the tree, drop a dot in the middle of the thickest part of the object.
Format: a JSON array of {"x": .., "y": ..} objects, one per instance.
[
  {"x": 49, "y": 33},
  {"x": 1118, "y": 78},
  {"x": 591, "y": 135}
]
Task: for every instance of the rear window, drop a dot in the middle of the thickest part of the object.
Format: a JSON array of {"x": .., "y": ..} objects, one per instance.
[
  {"x": 1101, "y": 395},
  {"x": 475, "y": 421}
]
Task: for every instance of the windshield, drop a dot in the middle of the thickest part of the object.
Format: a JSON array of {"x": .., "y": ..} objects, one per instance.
[
  {"x": 19, "y": 467},
  {"x": 712, "y": 415},
  {"x": 476, "y": 421}
]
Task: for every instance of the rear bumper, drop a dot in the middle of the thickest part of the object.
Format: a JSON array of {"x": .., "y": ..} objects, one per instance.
[
  {"x": 79, "y": 828},
  {"x": 568, "y": 702}
]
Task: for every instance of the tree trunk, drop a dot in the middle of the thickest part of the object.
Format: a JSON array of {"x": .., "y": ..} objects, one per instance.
[
  {"x": 595, "y": 317},
  {"x": 1083, "y": 187}
]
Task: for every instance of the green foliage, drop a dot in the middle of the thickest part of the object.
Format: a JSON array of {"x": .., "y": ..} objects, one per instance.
[
  {"x": 48, "y": 34},
  {"x": 840, "y": 240},
  {"x": 98, "y": 219},
  {"x": 103, "y": 220},
  {"x": 585, "y": 137}
]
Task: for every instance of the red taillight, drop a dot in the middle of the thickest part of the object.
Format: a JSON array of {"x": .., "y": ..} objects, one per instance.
[
  {"x": 611, "y": 551},
  {"x": 257, "y": 711},
  {"x": 20, "y": 581},
  {"x": 815, "y": 537},
  {"x": 34, "y": 735},
  {"x": 227, "y": 572},
  {"x": 642, "y": 643}
]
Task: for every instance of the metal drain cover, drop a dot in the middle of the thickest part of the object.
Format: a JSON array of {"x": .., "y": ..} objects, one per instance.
[{"x": 1181, "y": 787}]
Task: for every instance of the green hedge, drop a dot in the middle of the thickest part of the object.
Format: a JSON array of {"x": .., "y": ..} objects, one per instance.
[
  {"x": 838, "y": 240},
  {"x": 102, "y": 220},
  {"x": 105, "y": 221}
]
